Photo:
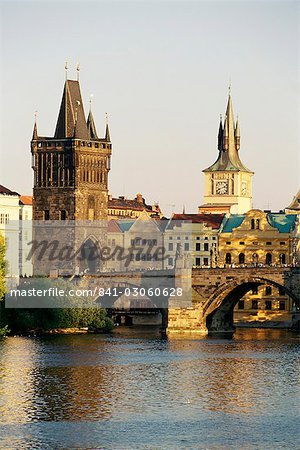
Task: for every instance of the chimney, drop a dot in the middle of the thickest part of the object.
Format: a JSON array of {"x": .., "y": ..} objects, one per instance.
[{"x": 139, "y": 198}]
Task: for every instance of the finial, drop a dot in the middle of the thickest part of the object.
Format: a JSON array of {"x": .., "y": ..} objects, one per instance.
[
  {"x": 229, "y": 88},
  {"x": 106, "y": 118},
  {"x": 66, "y": 68},
  {"x": 78, "y": 69},
  {"x": 35, "y": 116},
  {"x": 220, "y": 117},
  {"x": 91, "y": 99}
]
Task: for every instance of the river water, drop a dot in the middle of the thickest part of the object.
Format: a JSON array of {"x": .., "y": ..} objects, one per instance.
[{"x": 134, "y": 389}]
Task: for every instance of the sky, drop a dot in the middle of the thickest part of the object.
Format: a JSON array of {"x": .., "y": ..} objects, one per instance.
[{"x": 161, "y": 70}]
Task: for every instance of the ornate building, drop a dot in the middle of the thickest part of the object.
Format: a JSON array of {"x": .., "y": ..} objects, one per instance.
[
  {"x": 228, "y": 183},
  {"x": 259, "y": 238},
  {"x": 71, "y": 168}
]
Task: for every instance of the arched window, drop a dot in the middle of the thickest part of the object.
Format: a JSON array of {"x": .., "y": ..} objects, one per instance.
[
  {"x": 242, "y": 258},
  {"x": 255, "y": 258},
  {"x": 252, "y": 224},
  {"x": 228, "y": 258},
  {"x": 268, "y": 259},
  {"x": 257, "y": 224},
  {"x": 282, "y": 258}
]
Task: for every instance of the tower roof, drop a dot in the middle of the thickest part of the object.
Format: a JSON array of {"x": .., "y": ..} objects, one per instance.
[
  {"x": 228, "y": 158},
  {"x": 71, "y": 119},
  {"x": 91, "y": 126}
]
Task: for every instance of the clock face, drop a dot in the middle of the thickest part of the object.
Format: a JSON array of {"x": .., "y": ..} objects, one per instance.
[
  {"x": 222, "y": 187},
  {"x": 244, "y": 188}
]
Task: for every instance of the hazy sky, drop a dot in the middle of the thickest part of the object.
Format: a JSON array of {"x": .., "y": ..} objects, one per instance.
[{"x": 161, "y": 70}]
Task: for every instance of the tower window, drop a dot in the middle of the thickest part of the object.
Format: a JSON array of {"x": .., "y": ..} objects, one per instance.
[
  {"x": 252, "y": 224},
  {"x": 46, "y": 214},
  {"x": 63, "y": 214}
]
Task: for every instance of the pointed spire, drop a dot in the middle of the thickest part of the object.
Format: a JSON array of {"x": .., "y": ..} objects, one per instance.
[
  {"x": 35, "y": 134},
  {"x": 107, "y": 133},
  {"x": 91, "y": 123},
  {"x": 229, "y": 142},
  {"x": 71, "y": 105},
  {"x": 220, "y": 134},
  {"x": 237, "y": 134},
  {"x": 183, "y": 209}
]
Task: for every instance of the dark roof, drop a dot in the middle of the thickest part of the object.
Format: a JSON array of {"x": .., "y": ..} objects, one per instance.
[
  {"x": 91, "y": 126},
  {"x": 211, "y": 220},
  {"x": 124, "y": 203},
  {"x": 6, "y": 191},
  {"x": 71, "y": 119}
]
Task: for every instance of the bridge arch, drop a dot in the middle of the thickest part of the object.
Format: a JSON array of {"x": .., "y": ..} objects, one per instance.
[{"x": 218, "y": 310}]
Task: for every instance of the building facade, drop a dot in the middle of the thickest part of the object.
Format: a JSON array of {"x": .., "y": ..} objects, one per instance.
[
  {"x": 228, "y": 182},
  {"x": 16, "y": 227},
  {"x": 257, "y": 239}
]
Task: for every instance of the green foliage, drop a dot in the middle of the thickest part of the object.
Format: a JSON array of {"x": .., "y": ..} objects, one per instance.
[
  {"x": 67, "y": 311},
  {"x": 3, "y": 328}
]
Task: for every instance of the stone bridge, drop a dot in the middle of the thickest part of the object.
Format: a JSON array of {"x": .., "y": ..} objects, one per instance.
[
  {"x": 215, "y": 292},
  {"x": 210, "y": 294}
]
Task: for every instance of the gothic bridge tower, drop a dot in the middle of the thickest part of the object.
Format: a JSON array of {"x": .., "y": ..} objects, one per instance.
[
  {"x": 228, "y": 183},
  {"x": 71, "y": 168}
]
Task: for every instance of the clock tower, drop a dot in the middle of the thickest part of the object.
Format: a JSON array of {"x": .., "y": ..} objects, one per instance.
[{"x": 228, "y": 183}]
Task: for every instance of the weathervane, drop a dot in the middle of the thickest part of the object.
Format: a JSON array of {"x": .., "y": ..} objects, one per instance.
[{"x": 78, "y": 69}]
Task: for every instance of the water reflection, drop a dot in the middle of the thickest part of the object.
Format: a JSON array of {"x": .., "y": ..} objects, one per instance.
[{"x": 134, "y": 376}]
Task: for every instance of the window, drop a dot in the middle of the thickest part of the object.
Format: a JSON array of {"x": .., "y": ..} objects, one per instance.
[
  {"x": 252, "y": 224},
  {"x": 170, "y": 246},
  {"x": 282, "y": 305},
  {"x": 282, "y": 243},
  {"x": 206, "y": 238},
  {"x": 268, "y": 290},
  {"x": 46, "y": 214},
  {"x": 241, "y": 304},
  {"x": 255, "y": 258},
  {"x": 268, "y": 259},
  {"x": 205, "y": 261},
  {"x": 186, "y": 246},
  {"x": 228, "y": 242},
  {"x": 198, "y": 246},
  {"x": 198, "y": 261},
  {"x": 268, "y": 305},
  {"x": 242, "y": 243},
  {"x": 214, "y": 238},
  {"x": 268, "y": 243},
  {"x": 205, "y": 246},
  {"x": 138, "y": 257},
  {"x": 255, "y": 242},
  {"x": 254, "y": 290},
  {"x": 282, "y": 258},
  {"x": 254, "y": 304},
  {"x": 4, "y": 218},
  {"x": 63, "y": 214},
  {"x": 178, "y": 237},
  {"x": 257, "y": 223},
  {"x": 228, "y": 258},
  {"x": 281, "y": 290},
  {"x": 198, "y": 238},
  {"x": 170, "y": 261},
  {"x": 241, "y": 258}
]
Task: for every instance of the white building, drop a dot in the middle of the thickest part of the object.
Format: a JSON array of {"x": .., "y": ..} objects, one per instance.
[{"x": 16, "y": 227}]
